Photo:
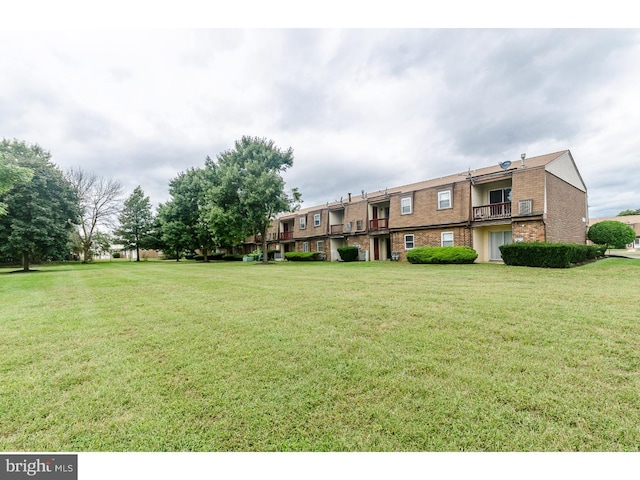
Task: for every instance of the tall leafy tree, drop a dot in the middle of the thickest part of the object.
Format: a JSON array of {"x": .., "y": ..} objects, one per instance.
[
  {"x": 184, "y": 218},
  {"x": 173, "y": 234},
  {"x": 251, "y": 188},
  {"x": 136, "y": 221},
  {"x": 100, "y": 202},
  {"x": 40, "y": 214}
]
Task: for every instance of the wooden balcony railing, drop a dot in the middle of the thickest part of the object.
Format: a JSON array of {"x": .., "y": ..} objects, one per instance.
[
  {"x": 379, "y": 224},
  {"x": 285, "y": 236},
  {"x": 337, "y": 229},
  {"x": 495, "y": 211}
]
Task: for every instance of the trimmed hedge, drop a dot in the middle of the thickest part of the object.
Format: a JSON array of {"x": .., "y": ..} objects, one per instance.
[
  {"x": 549, "y": 255},
  {"x": 303, "y": 256},
  {"x": 348, "y": 254},
  {"x": 442, "y": 255},
  {"x": 233, "y": 257}
]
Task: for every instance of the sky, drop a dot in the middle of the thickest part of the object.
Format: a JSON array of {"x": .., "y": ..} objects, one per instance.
[{"x": 363, "y": 107}]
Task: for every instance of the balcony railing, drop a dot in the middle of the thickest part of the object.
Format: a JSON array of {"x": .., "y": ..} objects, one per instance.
[
  {"x": 379, "y": 224},
  {"x": 285, "y": 235},
  {"x": 337, "y": 229},
  {"x": 495, "y": 211}
]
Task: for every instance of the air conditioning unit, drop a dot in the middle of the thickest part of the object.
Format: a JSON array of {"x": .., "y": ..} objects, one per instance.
[
  {"x": 347, "y": 227},
  {"x": 524, "y": 207}
]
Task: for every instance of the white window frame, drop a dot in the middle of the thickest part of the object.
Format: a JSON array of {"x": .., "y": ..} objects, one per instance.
[
  {"x": 319, "y": 246},
  {"x": 444, "y": 203},
  {"x": 303, "y": 222},
  {"x": 449, "y": 243},
  {"x": 406, "y": 205},
  {"x": 316, "y": 220},
  {"x": 407, "y": 242},
  {"x": 305, "y": 247}
]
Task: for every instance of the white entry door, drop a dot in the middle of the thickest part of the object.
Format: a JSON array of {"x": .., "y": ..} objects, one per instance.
[{"x": 495, "y": 240}]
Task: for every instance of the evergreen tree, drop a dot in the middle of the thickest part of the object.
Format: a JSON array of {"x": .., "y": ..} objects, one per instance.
[{"x": 136, "y": 221}]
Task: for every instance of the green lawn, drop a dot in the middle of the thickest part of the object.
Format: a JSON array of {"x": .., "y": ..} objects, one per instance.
[{"x": 166, "y": 356}]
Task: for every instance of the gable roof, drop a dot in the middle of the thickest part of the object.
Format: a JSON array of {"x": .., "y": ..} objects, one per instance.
[{"x": 533, "y": 162}]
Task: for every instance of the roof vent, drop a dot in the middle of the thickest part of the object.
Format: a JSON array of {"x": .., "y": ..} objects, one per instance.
[{"x": 522, "y": 156}]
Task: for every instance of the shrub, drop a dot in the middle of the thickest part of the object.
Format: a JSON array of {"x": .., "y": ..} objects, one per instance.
[
  {"x": 348, "y": 254},
  {"x": 442, "y": 255},
  {"x": 116, "y": 255},
  {"x": 233, "y": 257},
  {"x": 611, "y": 233},
  {"x": 303, "y": 256},
  {"x": 548, "y": 255}
]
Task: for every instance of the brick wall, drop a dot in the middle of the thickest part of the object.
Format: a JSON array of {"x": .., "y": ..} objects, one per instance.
[
  {"x": 528, "y": 231},
  {"x": 528, "y": 184},
  {"x": 425, "y": 209},
  {"x": 429, "y": 238},
  {"x": 566, "y": 209}
]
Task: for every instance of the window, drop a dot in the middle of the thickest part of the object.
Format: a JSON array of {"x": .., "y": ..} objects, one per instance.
[
  {"x": 408, "y": 242},
  {"x": 358, "y": 225},
  {"x": 305, "y": 246},
  {"x": 405, "y": 204},
  {"x": 319, "y": 246},
  {"x": 303, "y": 222},
  {"x": 316, "y": 220},
  {"x": 444, "y": 199},
  {"x": 502, "y": 195},
  {"x": 447, "y": 239}
]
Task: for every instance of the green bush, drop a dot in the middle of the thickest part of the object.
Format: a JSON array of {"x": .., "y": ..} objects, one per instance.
[
  {"x": 442, "y": 255},
  {"x": 116, "y": 255},
  {"x": 548, "y": 255},
  {"x": 611, "y": 233},
  {"x": 303, "y": 256},
  {"x": 233, "y": 257},
  {"x": 348, "y": 254}
]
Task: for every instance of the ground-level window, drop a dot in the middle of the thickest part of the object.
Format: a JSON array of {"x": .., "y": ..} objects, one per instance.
[
  {"x": 496, "y": 239},
  {"x": 408, "y": 242},
  {"x": 319, "y": 246},
  {"x": 447, "y": 239},
  {"x": 305, "y": 246}
]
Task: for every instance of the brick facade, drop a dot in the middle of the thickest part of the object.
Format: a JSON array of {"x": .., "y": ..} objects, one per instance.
[{"x": 526, "y": 201}]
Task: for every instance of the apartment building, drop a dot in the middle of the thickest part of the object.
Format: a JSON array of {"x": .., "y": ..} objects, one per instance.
[{"x": 532, "y": 199}]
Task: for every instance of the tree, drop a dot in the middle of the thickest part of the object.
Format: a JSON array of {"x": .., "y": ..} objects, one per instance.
[
  {"x": 11, "y": 174},
  {"x": 42, "y": 213},
  {"x": 629, "y": 212},
  {"x": 136, "y": 221},
  {"x": 250, "y": 188},
  {"x": 99, "y": 204},
  {"x": 611, "y": 233},
  {"x": 173, "y": 234},
  {"x": 186, "y": 213}
]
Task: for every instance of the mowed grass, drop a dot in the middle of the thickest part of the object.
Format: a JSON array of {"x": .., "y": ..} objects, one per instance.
[{"x": 166, "y": 356}]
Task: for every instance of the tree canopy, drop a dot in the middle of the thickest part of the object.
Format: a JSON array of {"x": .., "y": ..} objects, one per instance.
[
  {"x": 11, "y": 173},
  {"x": 611, "y": 233},
  {"x": 250, "y": 189},
  {"x": 40, "y": 214},
  {"x": 136, "y": 221},
  {"x": 628, "y": 212}
]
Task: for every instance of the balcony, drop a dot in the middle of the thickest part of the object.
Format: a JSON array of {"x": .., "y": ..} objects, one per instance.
[
  {"x": 495, "y": 211},
  {"x": 378, "y": 224},
  {"x": 285, "y": 236},
  {"x": 337, "y": 229}
]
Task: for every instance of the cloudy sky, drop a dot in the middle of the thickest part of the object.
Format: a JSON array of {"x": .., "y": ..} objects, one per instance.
[{"x": 362, "y": 108}]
